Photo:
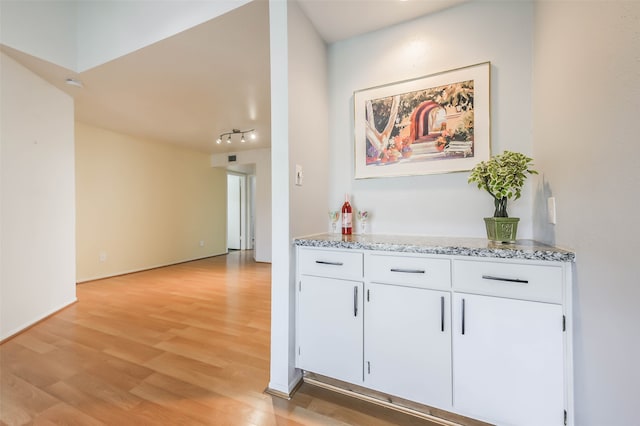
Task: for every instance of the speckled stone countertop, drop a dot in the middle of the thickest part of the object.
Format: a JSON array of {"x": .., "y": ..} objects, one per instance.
[{"x": 521, "y": 249}]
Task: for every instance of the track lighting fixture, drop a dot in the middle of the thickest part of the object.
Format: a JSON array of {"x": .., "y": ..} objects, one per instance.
[{"x": 236, "y": 132}]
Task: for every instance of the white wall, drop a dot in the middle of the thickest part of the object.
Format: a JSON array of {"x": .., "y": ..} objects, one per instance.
[
  {"x": 142, "y": 204},
  {"x": 110, "y": 29},
  {"x": 586, "y": 104},
  {"x": 262, "y": 160},
  {"x": 499, "y": 32},
  {"x": 79, "y": 35},
  {"x": 299, "y": 123},
  {"x": 37, "y": 219},
  {"x": 45, "y": 29},
  {"x": 308, "y": 125},
  {"x": 282, "y": 374}
]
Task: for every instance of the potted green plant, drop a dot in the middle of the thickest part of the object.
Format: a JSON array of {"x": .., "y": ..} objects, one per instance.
[{"x": 503, "y": 177}]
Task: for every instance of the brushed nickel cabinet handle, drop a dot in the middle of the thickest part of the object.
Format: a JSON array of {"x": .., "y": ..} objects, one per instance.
[
  {"x": 408, "y": 271},
  {"x": 463, "y": 317},
  {"x": 509, "y": 280},
  {"x": 326, "y": 262},
  {"x": 355, "y": 301},
  {"x": 442, "y": 313}
]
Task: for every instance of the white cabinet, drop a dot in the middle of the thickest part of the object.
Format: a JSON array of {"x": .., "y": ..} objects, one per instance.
[
  {"x": 407, "y": 327},
  {"x": 412, "y": 271},
  {"x": 329, "y": 324},
  {"x": 481, "y": 337},
  {"x": 508, "y": 352},
  {"x": 408, "y": 343},
  {"x": 508, "y": 360},
  {"x": 346, "y": 265}
]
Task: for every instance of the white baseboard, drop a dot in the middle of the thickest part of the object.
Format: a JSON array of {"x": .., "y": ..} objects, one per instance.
[
  {"x": 146, "y": 268},
  {"x": 30, "y": 323}
]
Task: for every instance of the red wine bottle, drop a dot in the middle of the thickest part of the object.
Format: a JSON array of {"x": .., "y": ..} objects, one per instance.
[{"x": 347, "y": 216}]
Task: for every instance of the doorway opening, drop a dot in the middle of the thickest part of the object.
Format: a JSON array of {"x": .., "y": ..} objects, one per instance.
[{"x": 240, "y": 209}]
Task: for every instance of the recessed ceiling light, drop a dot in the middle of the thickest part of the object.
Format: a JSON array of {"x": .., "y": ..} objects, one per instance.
[{"x": 74, "y": 82}]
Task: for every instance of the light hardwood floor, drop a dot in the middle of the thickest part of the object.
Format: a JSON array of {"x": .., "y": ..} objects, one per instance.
[{"x": 182, "y": 345}]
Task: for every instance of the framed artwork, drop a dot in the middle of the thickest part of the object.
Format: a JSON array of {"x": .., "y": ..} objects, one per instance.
[{"x": 439, "y": 123}]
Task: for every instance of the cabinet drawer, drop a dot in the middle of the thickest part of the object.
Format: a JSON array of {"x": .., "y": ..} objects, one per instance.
[
  {"x": 410, "y": 271},
  {"x": 512, "y": 280},
  {"x": 328, "y": 263}
]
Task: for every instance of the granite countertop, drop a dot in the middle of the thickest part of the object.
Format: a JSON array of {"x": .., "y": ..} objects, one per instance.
[{"x": 521, "y": 249}]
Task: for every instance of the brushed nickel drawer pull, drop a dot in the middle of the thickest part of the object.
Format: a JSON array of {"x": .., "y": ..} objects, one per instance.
[
  {"x": 441, "y": 313},
  {"x": 463, "y": 317},
  {"x": 408, "y": 271},
  {"x": 509, "y": 280},
  {"x": 325, "y": 262},
  {"x": 355, "y": 301}
]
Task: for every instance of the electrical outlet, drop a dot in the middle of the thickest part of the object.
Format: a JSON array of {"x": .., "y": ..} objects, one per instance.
[
  {"x": 201, "y": 243},
  {"x": 551, "y": 210},
  {"x": 102, "y": 256}
]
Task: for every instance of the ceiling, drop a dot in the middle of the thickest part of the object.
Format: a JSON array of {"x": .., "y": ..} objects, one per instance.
[
  {"x": 210, "y": 79},
  {"x": 337, "y": 20}
]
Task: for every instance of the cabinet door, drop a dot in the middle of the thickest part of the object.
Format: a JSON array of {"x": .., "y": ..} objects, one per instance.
[
  {"x": 508, "y": 360},
  {"x": 329, "y": 327},
  {"x": 408, "y": 343}
]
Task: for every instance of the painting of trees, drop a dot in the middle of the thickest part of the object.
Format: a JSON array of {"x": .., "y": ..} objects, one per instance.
[
  {"x": 439, "y": 123},
  {"x": 389, "y": 120}
]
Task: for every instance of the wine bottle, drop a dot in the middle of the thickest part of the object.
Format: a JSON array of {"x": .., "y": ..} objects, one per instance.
[{"x": 347, "y": 216}]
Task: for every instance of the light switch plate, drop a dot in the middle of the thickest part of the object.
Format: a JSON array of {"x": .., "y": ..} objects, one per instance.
[{"x": 299, "y": 175}]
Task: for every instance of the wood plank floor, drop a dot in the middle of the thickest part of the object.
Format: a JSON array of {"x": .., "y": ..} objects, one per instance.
[{"x": 182, "y": 345}]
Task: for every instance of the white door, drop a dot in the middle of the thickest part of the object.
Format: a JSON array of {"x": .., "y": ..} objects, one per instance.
[
  {"x": 329, "y": 327},
  {"x": 508, "y": 360},
  {"x": 408, "y": 343},
  {"x": 251, "y": 209},
  {"x": 234, "y": 212}
]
